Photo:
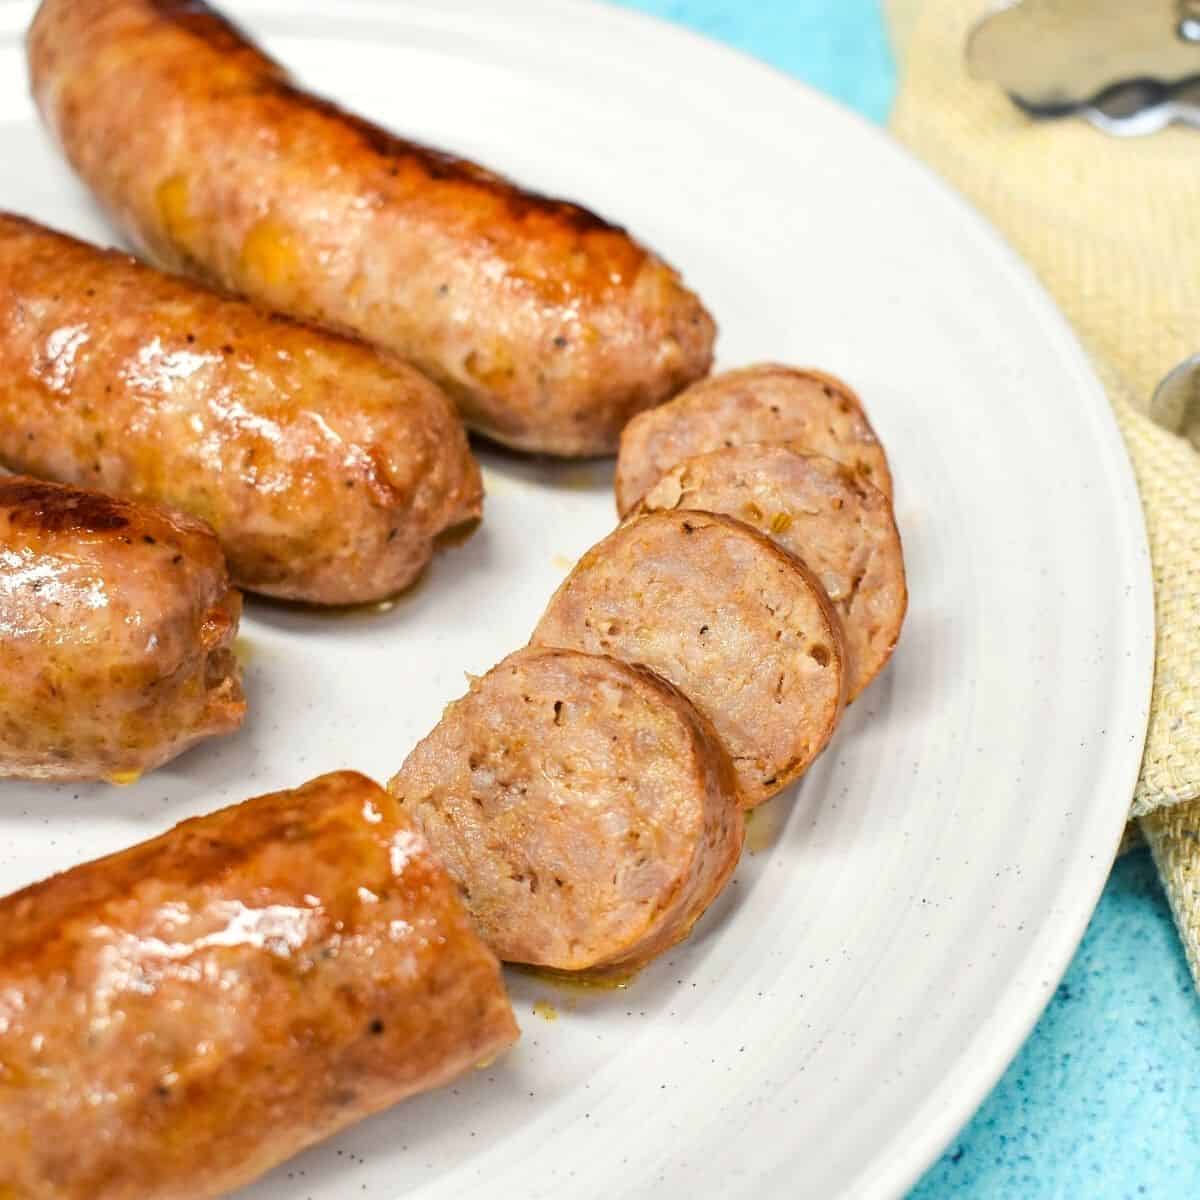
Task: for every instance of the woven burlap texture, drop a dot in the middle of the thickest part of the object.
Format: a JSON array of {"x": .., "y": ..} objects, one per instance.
[{"x": 1113, "y": 229}]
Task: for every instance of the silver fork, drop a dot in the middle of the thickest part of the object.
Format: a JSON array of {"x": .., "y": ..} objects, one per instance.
[
  {"x": 1176, "y": 401},
  {"x": 1130, "y": 67}
]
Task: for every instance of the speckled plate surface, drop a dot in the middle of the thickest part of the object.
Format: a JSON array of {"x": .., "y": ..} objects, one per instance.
[{"x": 903, "y": 914}]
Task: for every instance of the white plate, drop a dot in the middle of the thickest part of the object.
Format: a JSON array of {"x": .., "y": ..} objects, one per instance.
[{"x": 907, "y": 911}]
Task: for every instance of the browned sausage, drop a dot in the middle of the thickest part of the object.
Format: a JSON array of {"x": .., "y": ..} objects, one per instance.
[
  {"x": 178, "y": 1018},
  {"x": 738, "y": 625},
  {"x": 325, "y": 468},
  {"x": 584, "y": 806},
  {"x": 809, "y": 410},
  {"x": 117, "y": 625},
  {"x": 824, "y": 513},
  {"x": 550, "y": 327}
]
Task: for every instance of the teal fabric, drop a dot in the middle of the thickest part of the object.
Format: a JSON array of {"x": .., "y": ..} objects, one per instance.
[
  {"x": 839, "y": 46},
  {"x": 1103, "y": 1100}
]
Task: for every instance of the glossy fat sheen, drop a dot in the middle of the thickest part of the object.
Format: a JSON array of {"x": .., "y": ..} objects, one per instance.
[
  {"x": 180, "y": 1017},
  {"x": 117, "y": 625},
  {"x": 550, "y": 327},
  {"x": 814, "y": 412},
  {"x": 738, "y": 625},
  {"x": 583, "y": 805},
  {"x": 326, "y": 468},
  {"x": 824, "y": 513}
]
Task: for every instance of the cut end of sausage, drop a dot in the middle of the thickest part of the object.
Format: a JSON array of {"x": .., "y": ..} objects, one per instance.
[
  {"x": 810, "y": 410},
  {"x": 226, "y": 702},
  {"x": 584, "y": 807},
  {"x": 738, "y": 625},
  {"x": 824, "y": 513}
]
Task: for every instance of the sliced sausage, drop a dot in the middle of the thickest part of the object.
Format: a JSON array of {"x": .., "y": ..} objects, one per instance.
[
  {"x": 549, "y": 326},
  {"x": 738, "y": 625},
  {"x": 178, "y": 1018},
  {"x": 824, "y": 513},
  {"x": 809, "y": 410},
  {"x": 584, "y": 806},
  {"x": 325, "y": 468},
  {"x": 117, "y": 625}
]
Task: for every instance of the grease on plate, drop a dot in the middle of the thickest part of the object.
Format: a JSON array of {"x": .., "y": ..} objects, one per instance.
[
  {"x": 573, "y": 981},
  {"x": 495, "y": 484},
  {"x": 763, "y": 825}
]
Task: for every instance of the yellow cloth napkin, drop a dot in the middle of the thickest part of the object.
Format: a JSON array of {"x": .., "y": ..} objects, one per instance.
[{"x": 1112, "y": 226}]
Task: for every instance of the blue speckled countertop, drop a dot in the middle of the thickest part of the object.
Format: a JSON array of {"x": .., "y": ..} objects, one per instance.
[{"x": 1103, "y": 1100}]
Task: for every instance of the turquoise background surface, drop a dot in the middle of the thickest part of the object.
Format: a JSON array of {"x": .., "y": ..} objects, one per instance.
[{"x": 1104, "y": 1098}]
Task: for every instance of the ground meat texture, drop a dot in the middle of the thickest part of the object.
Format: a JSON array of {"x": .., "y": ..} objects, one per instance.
[
  {"x": 181, "y": 1017},
  {"x": 584, "y": 806},
  {"x": 117, "y": 625},
  {"x": 549, "y": 326},
  {"x": 809, "y": 410},
  {"x": 326, "y": 469},
  {"x": 740, "y": 626},
  {"x": 825, "y": 514}
]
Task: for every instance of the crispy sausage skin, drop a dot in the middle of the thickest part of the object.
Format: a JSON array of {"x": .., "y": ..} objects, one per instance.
[
  {"x": 584, "y": 806},
  {"x": 806, "y": 409},
  {"x": 738, "y": 625},
  {"x": 550, "y": 327},
  {"x": 326, "y": 468},
  {"x": 117, "y": 624},
  {"x": 180, "y": 1017},
  {"x": 824, "y": 513}
]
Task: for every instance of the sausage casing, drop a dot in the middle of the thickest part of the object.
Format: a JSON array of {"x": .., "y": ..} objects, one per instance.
[
  {"x": 178, "y": 1018},
  {"x": 550, "y": 327},
  {"x": 326, "y": 468},
  {"x": 117, "y": 624}
]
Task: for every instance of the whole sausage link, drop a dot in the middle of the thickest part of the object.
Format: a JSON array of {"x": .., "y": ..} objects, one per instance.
[
  {"x": 180, "y": 1017},
  {"x": 326, "y": 468},
  {"x": 550, "y": 327}
]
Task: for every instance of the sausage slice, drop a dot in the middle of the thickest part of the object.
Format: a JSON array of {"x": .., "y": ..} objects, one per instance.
[
  {"x": 178, "y": 1018},
  {"x": 117, "y": 625},
  {"x": 583, "y": 805},
  {"x": 740, "y": 626},
  {"x": 824, "y": 513},
  {"x": 810, "y": 410}
]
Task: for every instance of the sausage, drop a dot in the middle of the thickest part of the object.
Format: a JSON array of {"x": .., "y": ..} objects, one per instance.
[
  {"x": 738, "y": 625},
  {"x": 180, "y": 1017},
  {"x": 117, "y": 625},
  {"x": 584, "y": 806},
  {"x": 325, "y": 468},
  {"x": 824, "y": 513},
  {"x": 810, "y": 410},
  {"x": 550, "y": 327}
]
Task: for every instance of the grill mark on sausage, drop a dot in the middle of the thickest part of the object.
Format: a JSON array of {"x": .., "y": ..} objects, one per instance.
[
  {"x": 199, "y": 20},
  {"x": 202, "y": 21},
  {"x": 33, "y": 505}
]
